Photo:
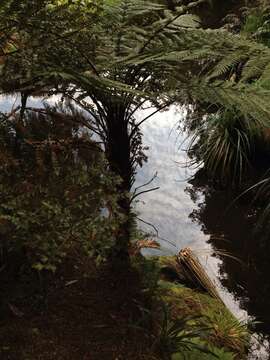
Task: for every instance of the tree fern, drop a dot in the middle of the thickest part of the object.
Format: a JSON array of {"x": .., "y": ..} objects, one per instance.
[
  {"x": 227, "y": 64},
  {"x": 131, "y": 52},
  {"x": 250, "y": 100}
]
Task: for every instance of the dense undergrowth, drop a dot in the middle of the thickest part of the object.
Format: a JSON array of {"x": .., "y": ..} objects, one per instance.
[
  {"x": 233, "y": 149},
  {"x": 65, "y": 198},
  {"x": 56, "y": 191},
  {"x": 85, "y": 311}
]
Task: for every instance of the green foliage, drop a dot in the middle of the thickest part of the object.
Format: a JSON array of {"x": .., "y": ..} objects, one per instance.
[
  {"x": 189, "y": 324},
  {"x": 253, "y": 22},
  {"x": 75, "y": 4},
  {"x": 150, "y": 274},
  {"x": 224, "y": 330},
  {"x": 118, "y": 55},
  {"x": 55, "y": 194},
  {"x": 228, "y": 332},
  {"x": 224, "y": 142},
  {"x": 212, "y": 354},
  {"x": 163, "y": 46},
  {"x": 257, "y": 25},
  {"x": 137, "y": 52},
  {"x": 179, "y": 335}
]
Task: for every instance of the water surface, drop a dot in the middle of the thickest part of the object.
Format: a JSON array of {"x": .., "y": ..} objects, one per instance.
[{"x": 187, "y": 213}]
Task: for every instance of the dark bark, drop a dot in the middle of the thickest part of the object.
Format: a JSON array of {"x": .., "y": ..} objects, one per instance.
[{"x": 118, "y": 152}]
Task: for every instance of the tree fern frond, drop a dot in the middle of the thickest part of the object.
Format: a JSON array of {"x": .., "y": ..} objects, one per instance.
[
  {"x": 142, "y": 8},
  {"x": 90, "y": 82},
  {"x": 227, "y": 63},
  {"x": 255, "y": 67},
  {"x": 250, "y": 100},
  {"x": 264, "y": 79},
  {"x": 178, "y": 13},
  {"x": 187, "y": 21}
]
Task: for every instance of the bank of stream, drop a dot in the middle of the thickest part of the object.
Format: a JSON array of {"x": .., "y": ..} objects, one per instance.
[{"x": 187, "y": 213}]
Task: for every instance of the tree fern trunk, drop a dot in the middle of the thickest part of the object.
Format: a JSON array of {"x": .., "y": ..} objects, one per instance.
[{"x": 118, "y": 152}]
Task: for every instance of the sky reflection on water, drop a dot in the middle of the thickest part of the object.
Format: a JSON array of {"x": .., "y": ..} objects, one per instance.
[
  {"x": 168, "y": 208},
  {"x": 171, "y": 207}
]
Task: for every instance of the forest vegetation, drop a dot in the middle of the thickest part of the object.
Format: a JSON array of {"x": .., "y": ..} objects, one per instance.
[{"x": 69, "y": 238}]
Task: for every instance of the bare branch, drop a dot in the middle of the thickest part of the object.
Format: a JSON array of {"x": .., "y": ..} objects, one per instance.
[
  {"x": 135, "y": 128},
  {"x": 156, "y": 231},
  {"x": 9, "y": 115},
  {"x": 134, "y": 110},
  {"x": 149, "y": 182},
  {"x": 149, "y": 224},
  {"x": 143, "y": 192}
]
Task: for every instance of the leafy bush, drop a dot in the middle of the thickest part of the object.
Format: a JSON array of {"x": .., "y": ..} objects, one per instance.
[{"x": 56, "y": 191}]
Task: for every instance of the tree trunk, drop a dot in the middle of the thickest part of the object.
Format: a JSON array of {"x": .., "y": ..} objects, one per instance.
[{"x": 119, "y": 157}]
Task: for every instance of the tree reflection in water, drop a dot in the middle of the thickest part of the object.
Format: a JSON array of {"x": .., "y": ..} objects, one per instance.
[{"x": 245, "y": 253}]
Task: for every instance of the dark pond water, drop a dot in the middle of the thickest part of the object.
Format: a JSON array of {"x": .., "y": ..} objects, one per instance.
[
  {"x": 174, "y": 209},
  {"x": 187, "y": 213}
]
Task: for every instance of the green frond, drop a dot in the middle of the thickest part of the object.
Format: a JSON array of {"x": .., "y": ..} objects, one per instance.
[
  {"x": 255, "y": 67},
  {"x": 264, "y": 79},
  {"x": 90, "y": 81},
  {"x": 227, "y": 64},
  {"x": 251, "y": 101},
  {"x": 188, "y": 21},
  {"x": 207, "y": 65}
]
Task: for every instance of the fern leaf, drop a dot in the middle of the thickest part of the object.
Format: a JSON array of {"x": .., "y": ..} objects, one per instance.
[{"x": 226, "y": 64}]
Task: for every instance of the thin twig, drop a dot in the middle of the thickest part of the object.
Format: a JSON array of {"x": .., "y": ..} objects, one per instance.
[
  {"x": 129, "y": 116},
  {"x": 149, "y": 224},
  {"x": 156, "y": 231},
  {"x": 148, "y": 182},
  {"x": 133, "y": 132},
  {"x": 143, "y": 192}
]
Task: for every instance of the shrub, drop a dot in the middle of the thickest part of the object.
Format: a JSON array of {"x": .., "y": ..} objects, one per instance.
[{"x": 56, "y": 191}]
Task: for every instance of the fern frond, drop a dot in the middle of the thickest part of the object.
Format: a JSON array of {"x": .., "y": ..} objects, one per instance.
[
  {"x": 227, "y": 63},
  {"x": 255, "y": 67},
  {"x": 187, "y": 21},
  {"x": 250, "y": 100}
]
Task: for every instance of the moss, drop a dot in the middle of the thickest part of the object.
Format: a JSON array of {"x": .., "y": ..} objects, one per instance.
[
  {"x": 226, "y": 337},
  {"x": 226, "y": 331}
]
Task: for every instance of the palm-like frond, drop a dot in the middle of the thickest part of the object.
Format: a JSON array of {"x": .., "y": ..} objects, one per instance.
[
  {"x": 125, "y": 46},
  {"x": 252, "y": 101},
  {"x": 137, "y": 51}
]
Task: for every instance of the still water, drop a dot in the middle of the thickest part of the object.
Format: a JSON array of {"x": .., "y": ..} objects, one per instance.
[
  {"x": 170, "y": 208},
  {"x": 187, "y": 213}
]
